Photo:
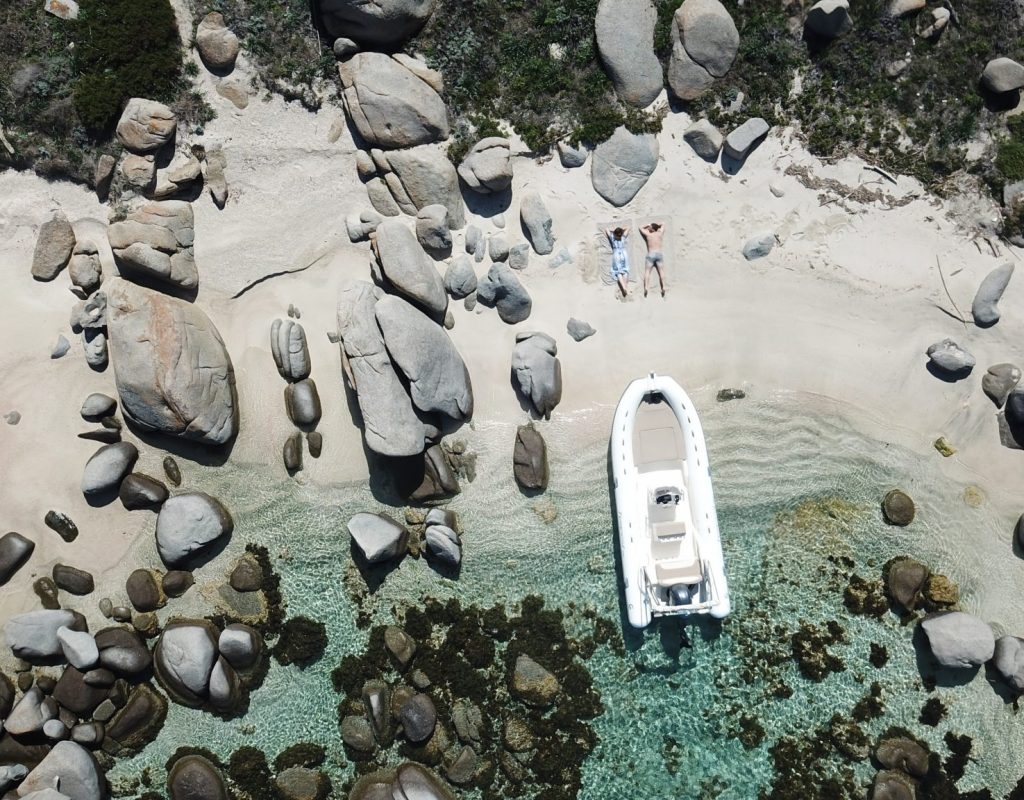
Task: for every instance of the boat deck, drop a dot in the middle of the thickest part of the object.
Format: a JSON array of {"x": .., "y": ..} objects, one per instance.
[{"x": 657, "y": 438}]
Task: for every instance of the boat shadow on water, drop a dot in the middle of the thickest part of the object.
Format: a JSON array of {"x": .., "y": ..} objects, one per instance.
[{"x": 676, "y": 633}]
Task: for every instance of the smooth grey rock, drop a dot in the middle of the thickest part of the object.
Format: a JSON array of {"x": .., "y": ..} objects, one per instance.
[
  {"x": 33, "y": 635},
  {"x": 315, "y": 443},
  {"x": 432, "y": 229},
  {"x": 475, "y": 242},
  {"x": 84, "y": 269},
  {"x": 1002, "y": 75},
  {"x": 11, "y": 774},
  {"x": 70, "y": 764},
  {"x": 29, "y": 714},
  {"x": 625, "y": 40},
  {"x": 622, "y": 164},
  {"x": 107, "y": 467},
  {"x": 892, "y": 785},
  {"x": 290, "y": 350},
  {"x": 140, "y": 491},
  {"x": 418, "y": 717},
  {"x": 417, "y": 177},
  {"x": 54, "y": 246},
  {"x": 418, "y": 783},
  {"x": 739, "y": 144},
  {"x": 155, "y": 243},
  {"x": 79, "y": 648},
  {"x": 444, "y": 545},
  {"x": 460, "y": 278},
  {"x": 188, "y": 525},
  {"x": 497, "y": 248},
  {"x": 958, "y": 640},
  {"x": 439, "y": 480},
  {"x": 240, "y": 645},
  {"x": 173, "y": 372},
  {"x": 1008, "y": 659},
  {"x": 572, "y": 156},
  {"x": 538, "y": 372},
  {"x": 999, "y": 381},
  {"x": 303, "y": 402},
  {"x": 519, "y": 255},
  {"x": 687, "y": 79},
  {"x": 88, "y": 734},
  {"x": 291, "y": 452},
  {"x": 184, "y": 658},
  {"x": 530, "y": 458},
  {"x": 579, "y": 330},
  {"x": 501, "y": 289},
  {"x": 98, "y": 405},
  {"x": 829, "y": 18},
  {"x": 708, "y": 33},
  {"x": 932, "y": 23},
  {"x": 537, "y": 223},
  {"x": 225, "y": 687},
  {"x": 15, "y": 550},
  {"x": 60, "y": 349},
  {"x": 408, "y": 269},
  {"x": 985, "y": 308},
  {"x": 343, "y": 48},
  {"x": 145, "y": 125},
  {"x": 390, "y": 424},
  {"x": 389, "y": 104},
  {"x": 378, "y": 537},
  {"x": 705, "y": 139},
  {"x": 55, "y": 730},
  {"x": 1014, "y": 410},
  {"x": 383, "y": 22},
  {"x": 218, "y": 46},
  {"x": 144, "y": 590},
  {"x": 438, "y": 378},
  {"x": 758, "y": 246},
  {"x": 948, "y": 357},
  {"x": 194, "y": 778},
  {"x": 103, "y": 175},
  {"x": 487, "y": 167},
  {"x": 94, "y": 342}
]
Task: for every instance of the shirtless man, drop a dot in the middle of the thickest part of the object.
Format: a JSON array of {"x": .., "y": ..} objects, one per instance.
[{"x": 653, "y": 234}]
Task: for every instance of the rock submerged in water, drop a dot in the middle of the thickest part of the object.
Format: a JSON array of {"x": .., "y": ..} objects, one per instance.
[
  {"x": 378, "y": 537},
  {"x": 173, "y": 373},
  {"x": 533, "y": 684},
  {"x": 444, "y": 545},
  {"x": 958, "y": 640},
  {"x": 530, "y": 458},
  {"x": 183, "y": 660},
  {"x": 194, "y": 778},
  {"x": 903, "y": 754},
  {"x": 291, "y": 453},
  {"x": 905, "y": 579},
  {"x": 898, "y": 508},
  {"x": 189, "y": 525}
]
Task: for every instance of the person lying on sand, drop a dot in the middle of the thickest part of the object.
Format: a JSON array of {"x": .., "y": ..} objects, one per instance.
[
  {"x": 653, "y": 233},
  {"x": 619, "y": 239}
]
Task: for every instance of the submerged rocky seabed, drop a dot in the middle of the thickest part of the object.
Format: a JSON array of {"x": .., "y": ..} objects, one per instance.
[{"x": 728, "y": 714}]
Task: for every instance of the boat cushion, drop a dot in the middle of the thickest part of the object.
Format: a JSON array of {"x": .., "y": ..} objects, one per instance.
[
  {"x": 669, "y": 573},
  {"x": 670, "y": 528}
]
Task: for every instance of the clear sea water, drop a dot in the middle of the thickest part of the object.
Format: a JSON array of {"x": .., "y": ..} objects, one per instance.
[{"x": 792, "y": 489}]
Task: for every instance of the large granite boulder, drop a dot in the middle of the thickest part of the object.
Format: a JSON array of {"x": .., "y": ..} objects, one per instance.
[
  {"x": 32, "y": 636},
  {"x": 71, "y": 767},
  {"x": 391, "y": 105},
  {"x": 1000, "y": 74},
  {"x": 183, "y": 660},
  {"x": 985, "y": 308},
  {"x": 173, "y": 372},
  {"x": 501, "y": 289},
  {"x": 744, "y": 139},
  {"x": 391, "y": 426},
  {"x": 154, "y": 244},
  {"x": 432, "y": 230},
  {"x": 54, "y": 246},
  {"x": 29, "y": 714},
  {"x": 107, "y": 467},
  {"x": 949, "y": 358},
  {"x": 443, "y": 545},
  {"x": 487, "y": 167},
  {"x": 408, "y": 269},
  {"x": 1008, "y": 659},
  {"x": 829, "y": 19},
  {"x": 704, "y": 45},
  {"x": 622, "y": 164},
  {"x": 240, "y": 645},
  {"x": 625, "y": 41},
  {"x": 383, "y": 22},
  {"x": 538, "y": 371},
  {"x": 123, "y": 652},
  {"x": 146, "y": 125},
  {"x": 289, "y": 348},
  {"x": 958, "y": 640},
  {"x": 537, "y": 223},
  {"x": 408, "y": 180},
  {"x": 705, "y": 139},
  {"x": 15, "y": 550},
  {"x": 194, "y": 778},
  {"x": 530, "y": 458},
  {"x": 217, "y": 44},
  {"x": 460, "y": 277},
  {"x": 378, "y": 537},
  {"x": 189, "y": 525},
  {"x": 437, "y": 376}
]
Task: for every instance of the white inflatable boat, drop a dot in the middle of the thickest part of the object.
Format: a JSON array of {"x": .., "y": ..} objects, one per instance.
[{"x": 672, "y": 560}]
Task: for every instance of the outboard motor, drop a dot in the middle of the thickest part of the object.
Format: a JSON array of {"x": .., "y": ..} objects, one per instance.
[{"x": 680, "y": 594}]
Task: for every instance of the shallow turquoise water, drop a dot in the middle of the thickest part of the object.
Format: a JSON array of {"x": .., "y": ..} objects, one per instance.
[{"x": 669, "y": 710}]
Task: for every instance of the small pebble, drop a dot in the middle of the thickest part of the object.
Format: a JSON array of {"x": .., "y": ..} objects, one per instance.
[{"x": 61, "y": 348}]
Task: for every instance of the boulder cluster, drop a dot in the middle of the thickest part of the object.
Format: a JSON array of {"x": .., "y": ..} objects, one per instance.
[{"x": 377, "y": 539}]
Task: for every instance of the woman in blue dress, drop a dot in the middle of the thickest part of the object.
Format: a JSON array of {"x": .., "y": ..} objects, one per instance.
[{"x": 619, "y": 240}]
